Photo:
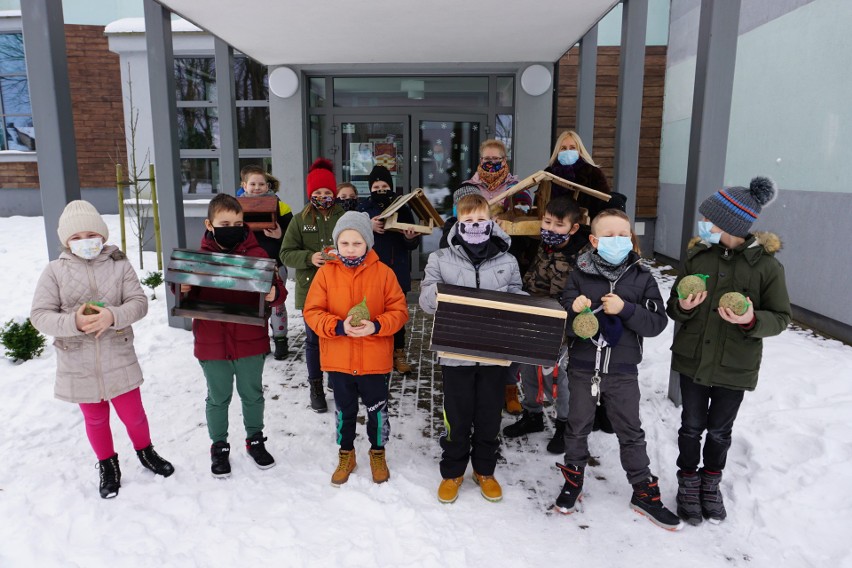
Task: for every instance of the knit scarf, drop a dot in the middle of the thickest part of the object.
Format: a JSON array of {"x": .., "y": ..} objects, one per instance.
[
  {"x": 591, "y": 263},
  {"x": 493, "y": 179}
]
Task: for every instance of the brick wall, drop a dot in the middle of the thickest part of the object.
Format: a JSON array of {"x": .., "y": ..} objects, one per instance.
[
  {"x": 96, "y": 102},
  {"x": 606, "y": 105}
]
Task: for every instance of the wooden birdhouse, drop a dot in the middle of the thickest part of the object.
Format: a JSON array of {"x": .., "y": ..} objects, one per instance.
[
  {"x": 225, "y": 272},
  {"x": 428, "y": 217},
  {"x": 261, "y": 212},
  {"x": 529, "y": 224},
  {"x": 508, "y": 327}
]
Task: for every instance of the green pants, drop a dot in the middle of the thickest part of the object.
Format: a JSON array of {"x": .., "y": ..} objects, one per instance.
[{"x": 220, "y": 389}]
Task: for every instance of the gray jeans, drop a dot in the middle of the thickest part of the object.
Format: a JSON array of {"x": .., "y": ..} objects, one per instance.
[
  {"x": 535, "y": 390},
  {"x": 620, "y": 394}
]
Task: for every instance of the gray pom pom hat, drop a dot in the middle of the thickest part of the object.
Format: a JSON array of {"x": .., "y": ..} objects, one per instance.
[{"x": 735, "y": 209}]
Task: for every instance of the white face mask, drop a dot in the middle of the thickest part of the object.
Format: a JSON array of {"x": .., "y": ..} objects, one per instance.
[{"x": 87, "y": 248}]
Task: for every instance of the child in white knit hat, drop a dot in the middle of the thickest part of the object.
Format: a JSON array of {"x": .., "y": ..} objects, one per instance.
[{"x": 87, "y": 299}]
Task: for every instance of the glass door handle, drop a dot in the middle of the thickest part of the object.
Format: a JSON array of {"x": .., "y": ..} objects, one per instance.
[{"x": 414, "y": 159}]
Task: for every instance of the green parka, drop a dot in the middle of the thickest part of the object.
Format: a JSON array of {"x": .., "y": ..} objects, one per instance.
[
  {"x": 707, "y": 348},
  {"x": 304, "y": 237}
]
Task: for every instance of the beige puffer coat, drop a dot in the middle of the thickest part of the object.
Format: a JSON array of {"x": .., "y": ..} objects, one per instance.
[{"x": 90, "y": 369}]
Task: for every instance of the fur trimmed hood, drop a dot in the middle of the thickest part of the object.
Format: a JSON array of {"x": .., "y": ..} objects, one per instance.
[{"x": 770, "y": 242}]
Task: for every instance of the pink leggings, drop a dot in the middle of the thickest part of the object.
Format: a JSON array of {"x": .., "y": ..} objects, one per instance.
[{"x": 129, "y": 408}]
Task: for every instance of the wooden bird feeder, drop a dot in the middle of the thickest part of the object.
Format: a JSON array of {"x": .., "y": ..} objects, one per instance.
[
  {"x": 429, "y": 218},
  {"x": 530, "y": 224},
  {"x": 496, "y": 328},
  {"x": 260, "y": 213},
  {"x": 225, "y": 272}
]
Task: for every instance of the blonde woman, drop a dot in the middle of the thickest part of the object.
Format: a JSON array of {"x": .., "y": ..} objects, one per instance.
[{"x": 570, "y": 160}]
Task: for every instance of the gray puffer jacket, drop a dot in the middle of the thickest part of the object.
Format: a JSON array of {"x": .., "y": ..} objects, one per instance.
[
  {"x": 90, "y": 369},
  {"x": 452, "y": 265}
]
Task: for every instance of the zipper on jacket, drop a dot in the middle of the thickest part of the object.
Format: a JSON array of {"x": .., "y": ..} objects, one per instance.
[
  {"x": 99, "y": 367},
  {"x": 476, "y": 271}
]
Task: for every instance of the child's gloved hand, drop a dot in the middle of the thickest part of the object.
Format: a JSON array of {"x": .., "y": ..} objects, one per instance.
[
  {"x": 363, "y": 330},
  {"x": 96, "y": 323},
  {"x": 612, "y": 304},
  {"x": 581, "y": 303},
  {"x": 690, "y": 302}
]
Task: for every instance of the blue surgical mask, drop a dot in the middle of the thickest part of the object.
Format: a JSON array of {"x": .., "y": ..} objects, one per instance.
[
  {"x": 705, "y": 234},
  {"x": 439, "y": 157},
  {"x": 614, "y": 249},
  {"x": 568, "y": 157}
]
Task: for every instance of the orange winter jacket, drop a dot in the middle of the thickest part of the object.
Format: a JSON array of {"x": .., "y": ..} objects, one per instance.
[{"x": 335, "y": 289}]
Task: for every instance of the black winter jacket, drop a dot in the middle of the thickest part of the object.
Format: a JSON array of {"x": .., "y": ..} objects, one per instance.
[
  {"x": 392, "y": 246},
  {"x": 643, "y": 314}
]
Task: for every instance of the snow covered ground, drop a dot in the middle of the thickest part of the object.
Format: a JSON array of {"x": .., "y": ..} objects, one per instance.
[{"x": 787, "y": 488}]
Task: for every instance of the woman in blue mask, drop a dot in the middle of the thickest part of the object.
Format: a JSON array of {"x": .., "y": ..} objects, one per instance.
[{"x": 570, "y": 160}]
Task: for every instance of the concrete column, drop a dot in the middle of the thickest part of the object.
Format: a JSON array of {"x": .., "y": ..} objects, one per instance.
[
  {"x": 586, "y": 83},
  {"x": 50, "y": 97},
  {"x": 229, "y": 155},
  {"x": 711, "y": 115},
  {"x": 630, "y": 83},
  {"x": 158, "y": 38}
]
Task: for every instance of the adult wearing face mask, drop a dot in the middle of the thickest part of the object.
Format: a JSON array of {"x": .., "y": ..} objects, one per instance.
[
  {"x": 570, "y": 160},
  {"x": 492, "y": 177},
  {"x": 394, "y": 248}
]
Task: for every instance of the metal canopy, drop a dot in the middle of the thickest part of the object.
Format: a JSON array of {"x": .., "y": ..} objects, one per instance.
[{"x": 299, "y": 32}]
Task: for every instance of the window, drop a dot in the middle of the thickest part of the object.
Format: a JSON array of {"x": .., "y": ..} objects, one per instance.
[
  {"x": 16, "y": 115},
  {"x": 198, "y": 120}
]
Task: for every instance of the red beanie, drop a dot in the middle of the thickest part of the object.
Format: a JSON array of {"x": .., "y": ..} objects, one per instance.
[{"x": 321, "y": 174}]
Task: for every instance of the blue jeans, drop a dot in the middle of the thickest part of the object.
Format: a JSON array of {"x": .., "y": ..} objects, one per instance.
[{"x": 713, "y": 409}]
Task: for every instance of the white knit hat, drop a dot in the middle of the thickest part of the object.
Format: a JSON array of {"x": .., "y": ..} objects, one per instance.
[{"x": 80, "y": 217}]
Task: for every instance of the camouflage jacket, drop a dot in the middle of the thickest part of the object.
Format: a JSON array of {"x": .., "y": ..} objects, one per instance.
[{"x": 548, "y": 273}]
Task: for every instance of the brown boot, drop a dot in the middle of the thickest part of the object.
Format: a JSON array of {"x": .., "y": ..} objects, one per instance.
[
  {"x": 448, "y": 490},
  {"x": 379, "y": 466},
  {"x": 489, "y": 487},
  {"x": 400, "y": 362},
  {"x": 513, "y": 405},
  {"x": 345, "y": 466}
]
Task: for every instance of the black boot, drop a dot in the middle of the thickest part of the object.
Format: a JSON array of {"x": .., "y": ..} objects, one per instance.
[
  {"x": 110, "y": 475},
  {"x": 257, "y": 450},
  {"x": 318, "y": 403},
  {"x": 282, "y": 348},
  {"x": 646, "y": 501},
  {"x": 528, "y": 423},
  {"x": 556, "y": 445},
  {"x": 152, "y": 460},
  {"x": 689, "y": 497},
  {"x": 221, "y": 466},
  {"x": 712, "y": 505},
  {"x": 572, "y": 490}
]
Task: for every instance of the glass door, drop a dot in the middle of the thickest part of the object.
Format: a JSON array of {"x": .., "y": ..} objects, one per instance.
[
  {"x": 445, "y": 152},
  {"x": 365, "y": 141}
]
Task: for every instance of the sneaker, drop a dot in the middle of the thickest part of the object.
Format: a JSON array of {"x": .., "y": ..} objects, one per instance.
[
  {"x": 400, "y": 362},
  {"x": 712, "y": 505},
  {"x": 556, "y": 445},
  {"x": 488, "y": 487},
  {"x": 257, "y": 450},
  {"x": 572, "y": 490},
  {"x": 318, "y": 403},
  {"x": 646, "y": 501},
  {"x": 221, "y": 466},
  {"x": 379, "y": 466},
  {"x": 346, "y": 464},
  {"x": 448, "y": 490},
  {"x": 110, "y": 477},
  {"x": 513, "y": 405},
  {"x": 689, "y": 497},
  {"x": 282, "y": 348},
  {"x": 152, "y": 460},
  {"x": 528, "y": 423}
]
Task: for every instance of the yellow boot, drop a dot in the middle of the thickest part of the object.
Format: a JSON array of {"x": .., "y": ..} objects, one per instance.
[
  {"x": 345, "y": 466},
  {"x": 489, "y": 487},
  {"x": 448, "y": 490},
  {"x": 513, "y": 405},
  {"x": 400, "y": 362},
  {"x": 379, "y": 466}
]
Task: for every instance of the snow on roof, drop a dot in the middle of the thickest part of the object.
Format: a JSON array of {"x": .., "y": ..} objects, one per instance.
[{"x": 137, "y": 26}]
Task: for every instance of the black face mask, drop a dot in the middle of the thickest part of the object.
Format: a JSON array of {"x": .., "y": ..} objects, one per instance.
[
  {"x": 229, "y": 237},
  {"x": 382, "y": 199},
  {"x": 348, "y": 204}
]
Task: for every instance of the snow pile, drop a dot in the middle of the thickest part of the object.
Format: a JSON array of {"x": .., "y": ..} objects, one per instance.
[{"x": 786, "y": 485}]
